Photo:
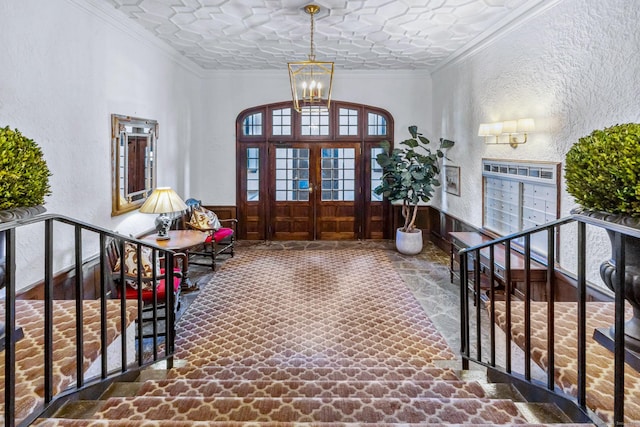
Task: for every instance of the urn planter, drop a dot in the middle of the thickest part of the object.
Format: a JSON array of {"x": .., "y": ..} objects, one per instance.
[
  {"x": 409, "y": 243},
  {"x": 609, "y": 271}
]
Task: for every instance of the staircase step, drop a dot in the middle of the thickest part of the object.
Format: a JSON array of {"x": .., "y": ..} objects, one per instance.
[
  {"x": 543, "y": 412},
  {"x": 121, "y": 389},
  {"x": 63, "y": 422},
  {"x": 264, "y": 373},
  {"x": 79, "y": 409},
  {"x": 479, "y": 411},
  {"x": 325, "y": 362},
  {"x": 325, "y": 389}
]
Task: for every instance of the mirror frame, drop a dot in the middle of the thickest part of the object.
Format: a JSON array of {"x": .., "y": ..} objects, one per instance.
[{"x": 121, "y": 202}]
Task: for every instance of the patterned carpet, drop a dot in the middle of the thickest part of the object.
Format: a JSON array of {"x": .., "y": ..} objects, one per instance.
[
  {"x": 320, "y": 306},
  {"x": 29, "y": 389},
  {"x": 284, "y": 338},
  {"x": 302, "y": 338},
  {"x": 600, "y": 373}
]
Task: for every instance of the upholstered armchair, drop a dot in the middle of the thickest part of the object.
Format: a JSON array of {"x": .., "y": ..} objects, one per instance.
[
  {"x": 221, "y": 233},
  {"x": 147, "y": 283}
]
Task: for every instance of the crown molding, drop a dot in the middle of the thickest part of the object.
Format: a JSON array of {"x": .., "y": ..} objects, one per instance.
[
  {"x": 107, "y": 13},
  {"x": 496, "y": 32}
]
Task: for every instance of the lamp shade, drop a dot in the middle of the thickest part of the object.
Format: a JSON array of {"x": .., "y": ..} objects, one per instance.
[{"x": 163, "y": 200}]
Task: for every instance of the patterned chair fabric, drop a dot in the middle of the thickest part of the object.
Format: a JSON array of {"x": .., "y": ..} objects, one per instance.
[
  {"x": 146, "y": 286},
  {"x": 221, "y": 233}
]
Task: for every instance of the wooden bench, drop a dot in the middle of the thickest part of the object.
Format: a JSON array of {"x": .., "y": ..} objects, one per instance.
[{"x": 537, "y": 272}]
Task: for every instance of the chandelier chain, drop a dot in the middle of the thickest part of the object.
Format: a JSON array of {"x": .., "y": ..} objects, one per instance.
[{"x": 312, "y": 55}]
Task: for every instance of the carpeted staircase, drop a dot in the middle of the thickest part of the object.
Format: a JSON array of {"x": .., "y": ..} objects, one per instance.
[
  {"x": 306, "y": 393},
  {"x": 296, "y": 338}
]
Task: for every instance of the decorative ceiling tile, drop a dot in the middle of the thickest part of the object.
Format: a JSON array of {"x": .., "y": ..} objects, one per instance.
[{"x": 356, "y": 34}]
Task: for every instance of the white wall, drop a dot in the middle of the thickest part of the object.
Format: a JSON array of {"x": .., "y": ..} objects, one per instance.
[
  {"x": 574, "y": 68},
  {"x": 405, "y": 94},
  {"x": 65, "y": 68}
]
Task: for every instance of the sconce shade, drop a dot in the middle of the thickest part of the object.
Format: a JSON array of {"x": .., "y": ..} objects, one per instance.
[
  {"x": 163, "y": 200},
  {"x": 509, "y": 126},
  {"x": 496, "y": 128},
  {"x": 525, "y": 125},
  {"x": 311, "y": 80},
  {"x": 484, "y": 129}
]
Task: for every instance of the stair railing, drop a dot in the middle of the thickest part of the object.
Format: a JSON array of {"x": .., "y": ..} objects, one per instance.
[
  {"x": 97, "y": 238},
  {"x": 475, "y": 261}
]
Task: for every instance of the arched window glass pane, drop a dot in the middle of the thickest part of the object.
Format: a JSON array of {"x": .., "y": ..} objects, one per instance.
[
  {"x": 348, "y": 120},
  {"x": 376, "y": 124},
  {"x": 253, "y": 174},
  {"x": 252, "y": 125},
  {"x": 314, "y": 122},
  {"x": 281, "y": 121}
]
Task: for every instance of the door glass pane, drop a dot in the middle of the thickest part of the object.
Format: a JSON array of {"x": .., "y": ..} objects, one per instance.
[
  {"x": 338, "y": 177},
  {"x": 292, "y": 174},
  {"x": 253, "y": 174},
  {"x": 376, "y": 174}
]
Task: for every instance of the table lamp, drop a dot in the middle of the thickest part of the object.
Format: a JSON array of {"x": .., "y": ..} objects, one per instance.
[{"x": 162, "y": 201}]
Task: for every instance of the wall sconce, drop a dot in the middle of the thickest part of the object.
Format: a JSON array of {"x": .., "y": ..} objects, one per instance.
[{"x": 512, "y": 129}]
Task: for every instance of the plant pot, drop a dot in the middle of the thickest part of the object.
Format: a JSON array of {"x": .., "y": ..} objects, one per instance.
[
  {"x": 608, "y": 272},
  {"x": 409, "y": 243}
]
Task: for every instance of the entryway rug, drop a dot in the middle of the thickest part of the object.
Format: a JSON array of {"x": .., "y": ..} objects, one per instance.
[{"x": 332, "y": 308}]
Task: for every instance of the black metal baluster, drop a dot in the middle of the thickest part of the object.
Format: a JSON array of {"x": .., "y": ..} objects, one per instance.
[
  {"x": 527, "y": 307},
  {"x": 154, "y": 307},
  {"x": 507, "y": 304},
  {"x": 103, "y": 307},
  {"x": 551, "y": 292},
  {"x": 464, "y": 316},
  {"x": 79, "y": 309},
  {"x": 48, "y": 311},
  {"x": 476, "y": 303},
  {"x": 492, "y": 298},
  {"x": 169, "y": 310},
  {"x": 10, "y": 325},
  {"x": 123, "y": 308},
  {"x": 582, "y": 328},
  {"x": 139, "y": 278},
  {"x": 619, "y": 352}
]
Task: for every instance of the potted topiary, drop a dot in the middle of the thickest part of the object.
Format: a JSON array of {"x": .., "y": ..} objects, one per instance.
[
  {"x": 602, "y": 172},
  {"x": 24, "y": 181},
  {"x": 410, "y": 175},
  {"x": 24, "y": 176}
]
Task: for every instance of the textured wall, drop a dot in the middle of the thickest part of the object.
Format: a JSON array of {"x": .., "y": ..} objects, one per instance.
[
  {"x": 63, "y": 71},
  {"x": 573, "y": 68}
]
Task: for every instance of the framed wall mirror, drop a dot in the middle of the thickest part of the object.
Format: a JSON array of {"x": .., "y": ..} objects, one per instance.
[{"x": 133, "y": 161}]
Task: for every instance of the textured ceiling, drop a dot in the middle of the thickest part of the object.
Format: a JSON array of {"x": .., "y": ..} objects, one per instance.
[{"x": 356, "y": 34}]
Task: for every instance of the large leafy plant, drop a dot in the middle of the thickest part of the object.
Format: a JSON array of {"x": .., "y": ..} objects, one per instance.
[
  {"x": 410, "y": 174},
  {"x": 24, "y": 176},
  {"x": 602, "y": 170}
]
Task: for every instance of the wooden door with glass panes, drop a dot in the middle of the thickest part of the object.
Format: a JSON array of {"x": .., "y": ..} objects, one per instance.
[
  {"x": 314, "y": 191},
  {"x": 311, "y": 175}
]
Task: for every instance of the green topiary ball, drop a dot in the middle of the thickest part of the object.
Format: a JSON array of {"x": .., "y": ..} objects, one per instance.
[
  {"x": 602, "y": 170},
  {"x": 24, "y": 176}
]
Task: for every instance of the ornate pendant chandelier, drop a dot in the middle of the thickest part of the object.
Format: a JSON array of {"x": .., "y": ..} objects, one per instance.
[{"x": 311, "y": 80}]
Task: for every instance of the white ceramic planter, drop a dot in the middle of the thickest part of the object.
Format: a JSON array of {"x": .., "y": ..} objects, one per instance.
[{"x": 409, "y": 243}]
